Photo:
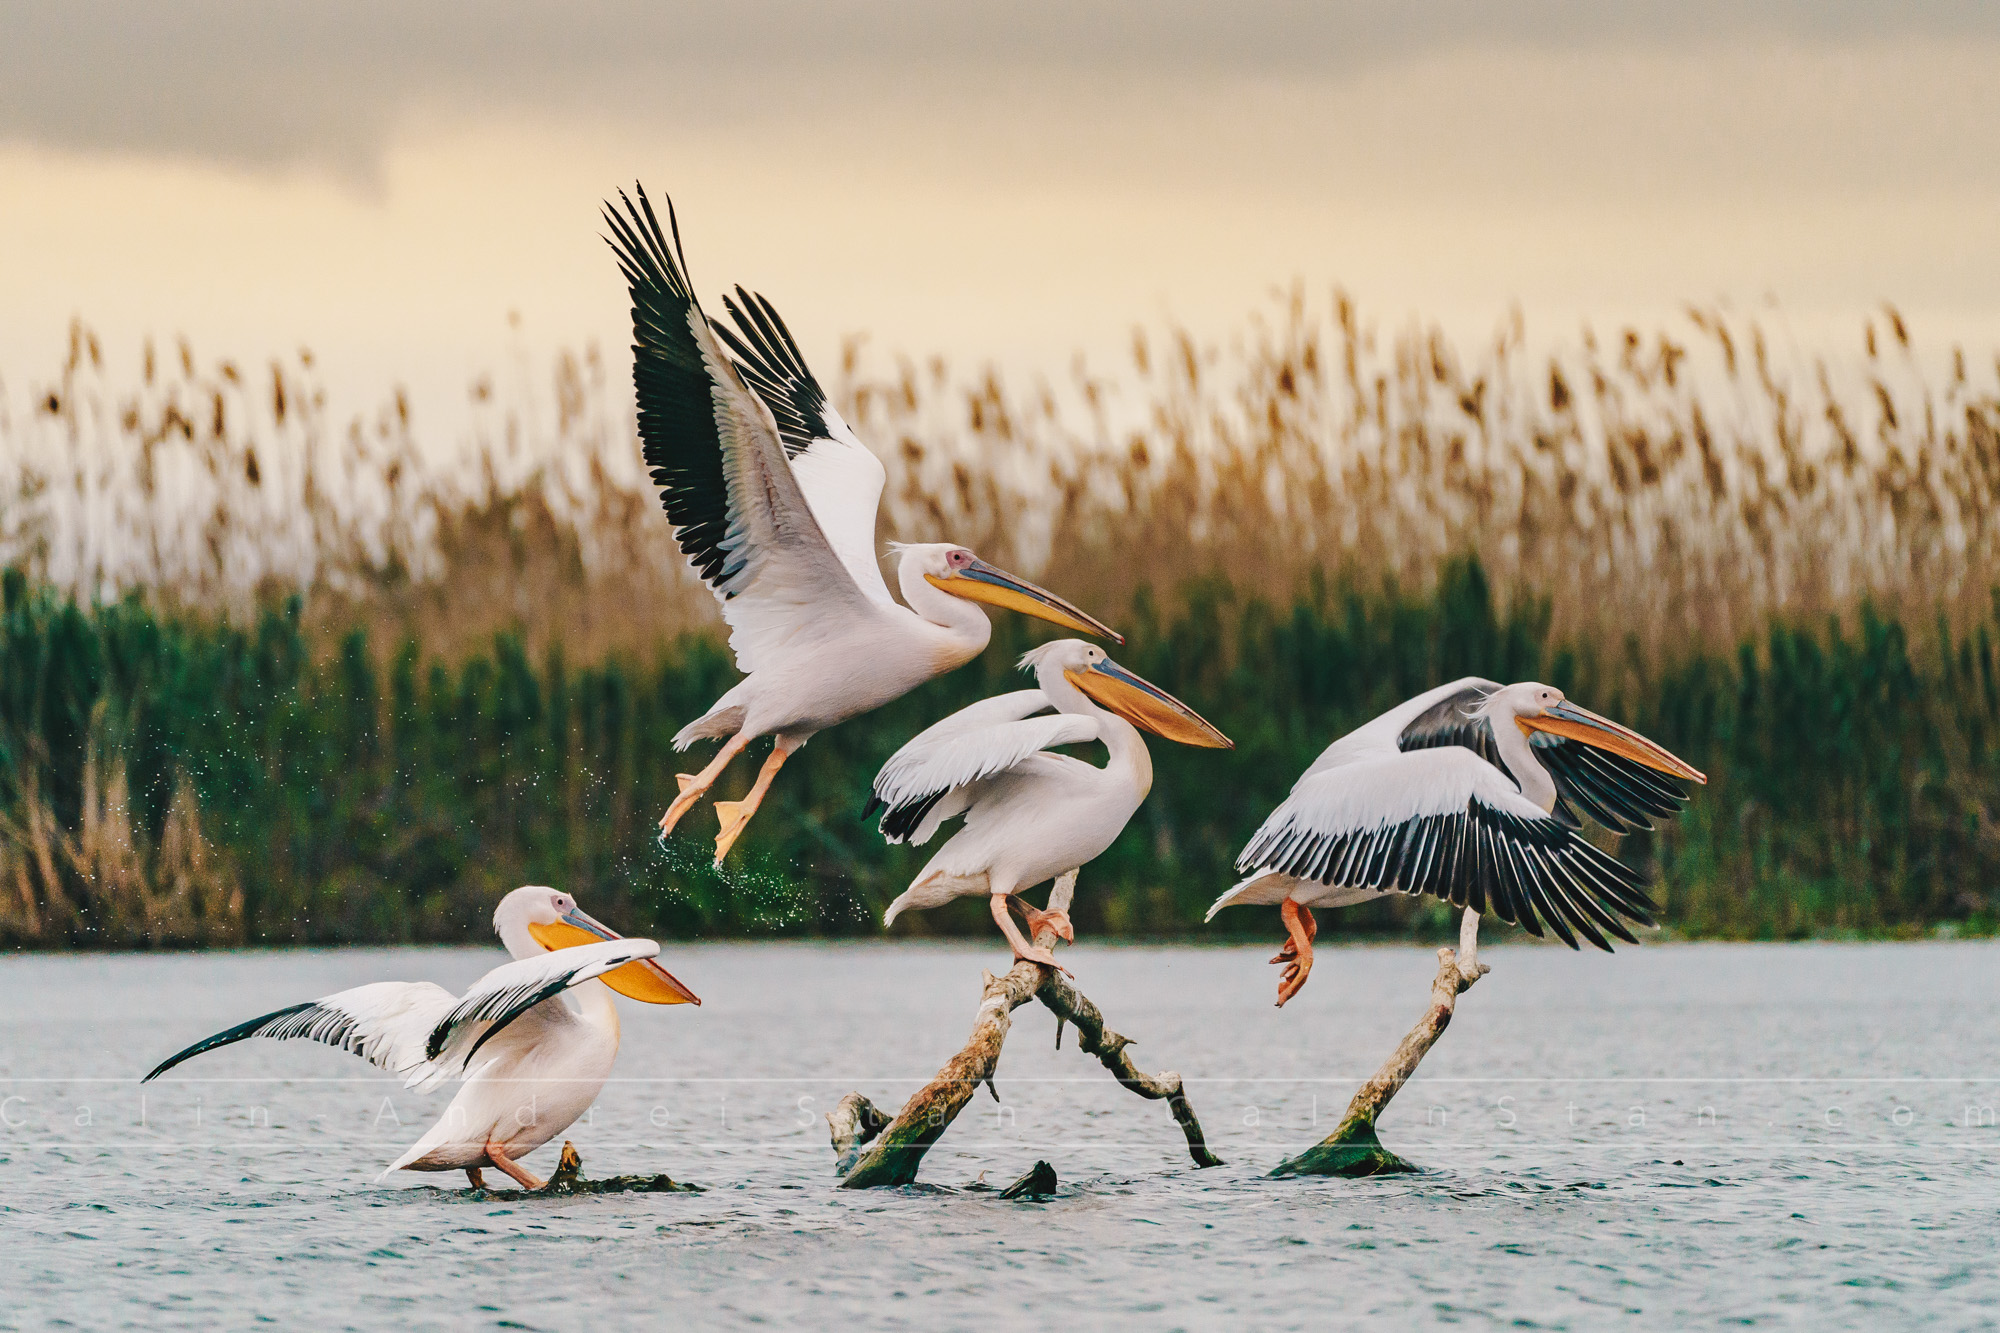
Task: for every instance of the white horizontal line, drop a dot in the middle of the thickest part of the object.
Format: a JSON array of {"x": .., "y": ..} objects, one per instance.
[
  {"x": 1097, "y": 1145},
  {"x": 1091, "y": 1077}
]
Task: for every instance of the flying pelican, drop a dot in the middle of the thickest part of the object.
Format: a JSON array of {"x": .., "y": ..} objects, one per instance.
[
  {"x": 773, "y": 502},
  {"x": 1468, "y": 793},
  {"x": 1029, "y": 815},
  {"x": 546, "y": 1057}
]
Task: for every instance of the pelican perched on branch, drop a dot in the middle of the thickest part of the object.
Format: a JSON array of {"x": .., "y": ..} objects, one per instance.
[
  {"x": 533, "y": 1039},
  {"x": 1469, "y": 793},
  {"x": 1029, "y": 815},
  {"x": 773, "y": 501}
]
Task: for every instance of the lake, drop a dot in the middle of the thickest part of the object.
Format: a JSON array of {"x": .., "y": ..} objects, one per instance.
[{"x": 1788, "y": 1135}]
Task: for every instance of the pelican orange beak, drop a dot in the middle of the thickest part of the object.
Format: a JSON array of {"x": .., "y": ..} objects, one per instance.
[
  {"x": 1580, "y": 724},
  {"x": 1146, "y": 705},
  {"x": 981, "y": 582},
  {"x": 642, "y": 979}
]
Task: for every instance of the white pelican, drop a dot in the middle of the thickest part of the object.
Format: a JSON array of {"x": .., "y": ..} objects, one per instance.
[
  {"x": 773, "y": 501},
  {"x": 540, "y": 1061},
  {"x": 1465, "y": 793},
  {"x": 1029, "y": 815}
]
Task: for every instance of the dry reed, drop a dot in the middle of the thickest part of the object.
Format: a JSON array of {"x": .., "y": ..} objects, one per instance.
[
  {"x": 1689, "y": 510},
  {"x": 1683, "y": 485}
]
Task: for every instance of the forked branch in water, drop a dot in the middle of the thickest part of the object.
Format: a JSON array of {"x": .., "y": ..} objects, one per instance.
[{"x": 871, "y": 1149}]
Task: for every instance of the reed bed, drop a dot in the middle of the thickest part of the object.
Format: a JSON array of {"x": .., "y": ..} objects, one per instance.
[{"x": 272, "y": 677}]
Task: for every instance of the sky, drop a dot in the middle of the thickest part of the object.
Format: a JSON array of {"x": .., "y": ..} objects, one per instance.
[{"x": 394, "y": 184}]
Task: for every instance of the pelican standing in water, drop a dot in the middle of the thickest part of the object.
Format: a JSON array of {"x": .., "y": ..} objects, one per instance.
[
  {"x": 773, "y": 502},
  {"x": 1029, "y": 815},
  {"x": 533, "y": 1039},
  {"x": 1469, "y": 793}
]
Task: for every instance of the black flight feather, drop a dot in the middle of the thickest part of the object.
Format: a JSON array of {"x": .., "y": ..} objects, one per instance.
[
  {"x": 670, "y": 377},
  {"x": 305, "y": 1017}
]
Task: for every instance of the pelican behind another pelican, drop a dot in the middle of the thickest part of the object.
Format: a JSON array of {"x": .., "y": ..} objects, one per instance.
[{"x": 1029, "y": 815}]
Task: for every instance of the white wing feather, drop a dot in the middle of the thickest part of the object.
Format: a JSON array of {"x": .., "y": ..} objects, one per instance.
[
  {"x": 763, "y": 554},
  {"x": 842, "y": 480},
  {"x": 1011, "y": 707},
  {"x": 791, "y": 577},
  {"x": 392, "y": 1024},
  {"x": 841, "y": 477},
  {"x": 1373, "y": 793},
  {"x": 386, "y": 1023},
  {"x": 1379, "y": 737},
  {"x": 957, "y": 752},
  {"x": 511, "y": 990},
  {"x": 1368, "y": 793}
]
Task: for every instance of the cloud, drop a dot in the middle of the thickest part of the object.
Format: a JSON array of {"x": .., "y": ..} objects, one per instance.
[{"x": 272, "y": 84}]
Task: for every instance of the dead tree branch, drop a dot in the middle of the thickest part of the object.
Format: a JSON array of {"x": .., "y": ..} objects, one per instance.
[
  {"x": 1069, "y": 1003},
  {"x": 855, "y": 1123},
  {"x": 872, "y": 1150},
  {"x": 1352, "y": 1149}
]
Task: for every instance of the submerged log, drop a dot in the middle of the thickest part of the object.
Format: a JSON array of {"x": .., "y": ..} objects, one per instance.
[
  {"x": 569, "y": 1180},
  {"x": 855, "y": 1122},
  {"x": 873, "y": 1150},
  {"x": 1352, "y": 1149},
  {"x": 1039, "y": 1183}
]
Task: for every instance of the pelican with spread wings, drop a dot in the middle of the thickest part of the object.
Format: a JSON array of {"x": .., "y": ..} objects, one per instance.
[
  {"x": 532, "y": 1041},
  {"x": 1469, "y": 793},
  {"x": 773, "y": 501},
  {"x": 1030, "y": 815}
]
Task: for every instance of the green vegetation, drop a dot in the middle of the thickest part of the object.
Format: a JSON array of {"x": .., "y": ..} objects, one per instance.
[
  {"x": 268, "y": 677},
  {"x": 174, "y": 779}
]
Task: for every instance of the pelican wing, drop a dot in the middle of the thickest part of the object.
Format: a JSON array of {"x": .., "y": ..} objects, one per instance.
[
  {"x": 1611, "y": 789},
  {"x": 841, "y": 477},
  {"x": 512, "y": 989},
  {"x": 1442, "y": 821},
  {"x": 1009, "y": 707},
  {"x": 385, "y": 1023},
  {"x": 919, "y": 784},
  {"x": 738, "y": 511},
  {"x": 423, "y": 1032},
  {"x": 1454, "y": 720},
  {"x": 1434, "y": 718}
]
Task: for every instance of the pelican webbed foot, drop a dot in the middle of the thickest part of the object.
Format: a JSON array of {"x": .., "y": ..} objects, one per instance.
[
  {"x": 691, "y": 791},
  {"x": 1023, "y": 950},
  {"x": 1057, "y": 921},
  {"x": 694, "y": 786},
  {"x": 1046, "y": 957},
  {"x": 499, "y": 1158},
  {"x": 734, "y": 818},
  {"x": 1297, "y": 950},
  {"x": 735, "y": 815}
]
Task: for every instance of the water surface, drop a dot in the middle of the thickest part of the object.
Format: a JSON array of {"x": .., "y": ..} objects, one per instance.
[{"x": 1680, "y": 1135}]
